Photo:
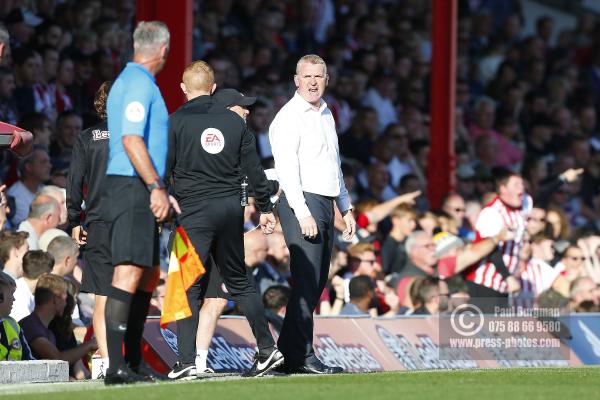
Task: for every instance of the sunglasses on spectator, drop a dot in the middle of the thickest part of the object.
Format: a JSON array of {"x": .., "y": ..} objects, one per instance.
[{"x": 536, "y": 219}]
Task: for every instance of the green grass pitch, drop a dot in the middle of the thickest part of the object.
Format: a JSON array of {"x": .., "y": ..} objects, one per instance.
[{"x": 505, "y": 384}]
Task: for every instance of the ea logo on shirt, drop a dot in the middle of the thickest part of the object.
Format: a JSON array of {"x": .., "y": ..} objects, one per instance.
[
  {"x": 212, "y": 140},
  {"x": 135, "y": 111}
]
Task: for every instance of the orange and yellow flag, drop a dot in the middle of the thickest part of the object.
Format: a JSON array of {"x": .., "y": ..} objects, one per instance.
[{"x": 185, "y": 268}]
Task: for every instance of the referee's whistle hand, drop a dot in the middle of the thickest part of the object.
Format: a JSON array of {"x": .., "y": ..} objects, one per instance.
[
  {"x": 159, "y": 204},
  {"x": 79, "y": 235},
  {"x": 267, "y": 223},
  {"x": 308, "y": 226}
]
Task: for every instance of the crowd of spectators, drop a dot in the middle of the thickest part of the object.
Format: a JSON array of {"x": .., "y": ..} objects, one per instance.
[{"x": 527, "y": 103}]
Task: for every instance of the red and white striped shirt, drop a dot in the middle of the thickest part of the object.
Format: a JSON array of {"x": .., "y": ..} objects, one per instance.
[
  {"x": 494, "y": 217},
  {"x": 537, "y": 277}
]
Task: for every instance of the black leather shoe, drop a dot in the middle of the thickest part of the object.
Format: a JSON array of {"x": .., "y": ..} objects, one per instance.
[
  {"x": 317, "y": 367},
  {"x": 146, "y": 371},
  {"x": 283, "y": 369},
  {"x": 123, "y": 376},
  {"x": 260, "y": 368}
]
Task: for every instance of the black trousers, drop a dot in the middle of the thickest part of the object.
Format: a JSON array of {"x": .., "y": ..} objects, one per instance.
[
  {"x": 485, "y": 298},
  {"x": 309, "y": 264},
  {"x": 216, "y": 229}
]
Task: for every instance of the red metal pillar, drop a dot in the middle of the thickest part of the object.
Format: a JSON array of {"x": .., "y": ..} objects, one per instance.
[
  {"x": 178, "y": 15},
  {"x": 441, "y": 163}
]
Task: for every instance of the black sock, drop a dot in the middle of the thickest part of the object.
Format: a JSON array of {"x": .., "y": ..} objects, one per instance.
[
  {"x": 135, "y": 328},
  {"x": 187, "y": 329},
  {"x": 116, "y": 315}
]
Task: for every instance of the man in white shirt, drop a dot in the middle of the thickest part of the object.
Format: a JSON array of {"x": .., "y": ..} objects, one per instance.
[
  {"x": 35, "y": 264},
  {"x": 44, "y": 215},
  {"x": 380, "y": 97},
  {"x": 34, "y": 170},
  {"x": 305, "y": 148}
]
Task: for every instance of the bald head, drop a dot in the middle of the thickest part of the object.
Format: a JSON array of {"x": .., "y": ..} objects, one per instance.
[
  {"x": 42, "y": 205},
  {"x": 255, "y": 248},
  {"x": 277, "y": 247},
  {"x": 255, "y": 239},
  {"x": 60, "y": 195},
  {"x": 198, "y": 79},
  {"x": 454, "y": 205}
]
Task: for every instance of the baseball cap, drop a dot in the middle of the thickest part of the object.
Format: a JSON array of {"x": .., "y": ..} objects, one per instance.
[
  {"x": 231, "y": 97},
  {"x": 445, "y": 241}
]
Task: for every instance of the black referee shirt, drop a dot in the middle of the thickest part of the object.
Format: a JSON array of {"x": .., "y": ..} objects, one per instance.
[
  {"x": 210, "y": 150},
  {"x": 88, "y": 168}
]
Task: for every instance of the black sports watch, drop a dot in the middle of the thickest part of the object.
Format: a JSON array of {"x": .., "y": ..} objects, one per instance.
[{"x": 157, "y": 184}]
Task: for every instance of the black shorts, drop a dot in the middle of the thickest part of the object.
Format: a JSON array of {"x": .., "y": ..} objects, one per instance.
[
  {"x": 134, "y": 231},
  {"x": 98, "y": 268},
  {"x": 211, "y": 284}
]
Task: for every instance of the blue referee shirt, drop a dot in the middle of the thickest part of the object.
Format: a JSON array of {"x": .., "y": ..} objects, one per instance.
[{"x": 136, "y": 107}]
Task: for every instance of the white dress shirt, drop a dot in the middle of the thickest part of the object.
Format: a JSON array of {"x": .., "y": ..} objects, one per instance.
[
  {"x": 307, "y": 157},
  {"x": 33, "y": 239},
  {"x": 386, "y": 112},
  {"x": 24, "y": 301}
]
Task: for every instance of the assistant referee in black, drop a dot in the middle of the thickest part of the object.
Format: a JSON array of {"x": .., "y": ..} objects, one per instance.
[
  {"x": 210, "y": 150},
  {"x": 88, "y": 170}
]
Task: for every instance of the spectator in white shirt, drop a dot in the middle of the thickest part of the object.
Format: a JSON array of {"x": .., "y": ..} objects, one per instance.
[
  {"x": 305, "y": 148},
  {"x": 13, "y": 246},
  {"x": 35, "y": 264},
  {"x": 34, "y": 171},
  {"x": 381, "y": 97},
  {"x": 44, "y": 215}
]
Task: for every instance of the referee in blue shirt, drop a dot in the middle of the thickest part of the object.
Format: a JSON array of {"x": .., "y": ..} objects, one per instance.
[{"x": 136, "y": 200}]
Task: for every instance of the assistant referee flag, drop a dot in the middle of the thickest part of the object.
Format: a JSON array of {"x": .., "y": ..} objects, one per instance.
[{"x": 185, "y": 268}]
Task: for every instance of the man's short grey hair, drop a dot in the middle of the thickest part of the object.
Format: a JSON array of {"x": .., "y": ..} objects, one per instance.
[
  {"x": 61, "y": 247},
  {"x": 40, "y": 209},
  {"x": 411, "y": 240},
  {"x": 311, "y": 59},
  {"x": 50, "y": 190},
  {"x": 4, "y": 36},
  {"x": 150, "y": 36}
]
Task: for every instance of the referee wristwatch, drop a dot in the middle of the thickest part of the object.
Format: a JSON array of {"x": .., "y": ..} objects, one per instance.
[{"x": 157, "y": 184}]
